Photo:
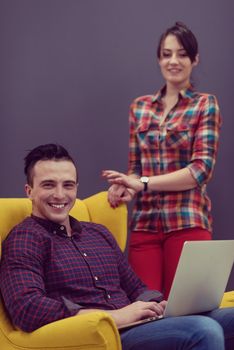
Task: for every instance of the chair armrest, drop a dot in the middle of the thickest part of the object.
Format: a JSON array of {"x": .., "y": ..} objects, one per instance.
[
  {"x": 228, "y": 299},
  {"x": 92, "y": 331},
  {"x": 115, "y": 220}
]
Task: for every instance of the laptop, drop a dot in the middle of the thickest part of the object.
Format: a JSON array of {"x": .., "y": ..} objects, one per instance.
[{"x": 200, "y": 280}]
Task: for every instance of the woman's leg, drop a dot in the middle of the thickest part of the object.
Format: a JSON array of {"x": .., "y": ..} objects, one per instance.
[
  {"x": 175, "y": 333},
  {"x": 145, "y": 257},
  {"x": 172, "y": 247}
]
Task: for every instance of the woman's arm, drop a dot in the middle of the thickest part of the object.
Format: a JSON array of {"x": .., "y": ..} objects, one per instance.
[
  {"x": 180, "y": 180},
  {"x": 205, "y": 145}
]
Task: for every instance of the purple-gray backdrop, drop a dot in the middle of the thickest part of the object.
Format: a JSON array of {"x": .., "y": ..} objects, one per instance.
[{"x": 70, "y": 68}]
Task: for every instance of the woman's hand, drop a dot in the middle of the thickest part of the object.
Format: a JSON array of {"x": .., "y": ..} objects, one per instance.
[{"x": 130, "y": 182}]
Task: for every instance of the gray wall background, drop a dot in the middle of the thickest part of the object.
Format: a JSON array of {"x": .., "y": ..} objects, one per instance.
[{"x": 70, "y": 68}]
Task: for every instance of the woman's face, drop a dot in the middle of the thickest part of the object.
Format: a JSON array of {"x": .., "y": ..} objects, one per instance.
[{"x": 175, "y": 64}]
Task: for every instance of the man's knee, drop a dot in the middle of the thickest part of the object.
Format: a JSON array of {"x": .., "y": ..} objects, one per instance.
[{"x": 207, "y": 332}]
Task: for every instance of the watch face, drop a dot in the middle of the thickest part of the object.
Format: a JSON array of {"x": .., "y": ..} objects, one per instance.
[{"x": 144, "y": 179}]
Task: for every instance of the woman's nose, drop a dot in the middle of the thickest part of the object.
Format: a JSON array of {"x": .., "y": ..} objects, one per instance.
[{"x": 173, "y": 59}]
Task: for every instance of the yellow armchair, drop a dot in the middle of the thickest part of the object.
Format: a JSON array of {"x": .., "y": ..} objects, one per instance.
[
  {"x": 91, "y": 331},
  {"x": 228, "y": 299}
]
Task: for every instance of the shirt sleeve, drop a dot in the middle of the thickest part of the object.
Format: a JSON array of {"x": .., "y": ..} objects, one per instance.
[
  {"x": 151, "y": 295},
  {"x": 206, "y": 142},
  {"x": 131, "y": 283},
  {"x": 22, "y": 284},
  {"x": 134, "y": 156},
  {"x": 134, "y": 288}
]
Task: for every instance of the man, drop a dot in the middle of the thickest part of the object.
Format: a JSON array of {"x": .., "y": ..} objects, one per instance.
[{"x": 55, "y": 267}]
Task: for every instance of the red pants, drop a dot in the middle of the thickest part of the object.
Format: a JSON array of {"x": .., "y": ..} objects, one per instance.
[{"x": 154, "y": 256}]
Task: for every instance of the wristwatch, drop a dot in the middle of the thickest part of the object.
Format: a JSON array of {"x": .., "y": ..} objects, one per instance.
[{"x": 145, "y": 180}]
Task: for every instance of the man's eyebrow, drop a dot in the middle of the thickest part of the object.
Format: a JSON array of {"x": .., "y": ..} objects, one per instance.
[{"x": 47, "y": 180}]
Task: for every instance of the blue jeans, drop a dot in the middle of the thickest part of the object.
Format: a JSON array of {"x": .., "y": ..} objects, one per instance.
[{"x": 210, "y": 331}]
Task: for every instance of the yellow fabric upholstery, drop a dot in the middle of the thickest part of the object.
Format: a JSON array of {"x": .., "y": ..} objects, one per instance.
[
  {"x": 228, "y": 299},
  {"x": 91, "y": 331}
]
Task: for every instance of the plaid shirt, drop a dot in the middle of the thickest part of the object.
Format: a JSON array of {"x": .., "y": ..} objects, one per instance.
[
  {"x": 188, "y": 138},
  {"x": 46, "y": 275}
]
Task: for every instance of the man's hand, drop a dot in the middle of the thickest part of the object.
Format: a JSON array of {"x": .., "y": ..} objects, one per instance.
[{"x": 137, "y": 311}]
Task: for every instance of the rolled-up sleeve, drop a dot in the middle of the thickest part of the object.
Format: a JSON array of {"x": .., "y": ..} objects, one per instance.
[{"x": 206, "y": 142}]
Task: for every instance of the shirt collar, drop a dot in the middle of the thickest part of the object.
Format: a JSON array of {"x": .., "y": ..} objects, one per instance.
[
  {"x": 55, "y": 228},
  {"x": 184, "y": 93}
]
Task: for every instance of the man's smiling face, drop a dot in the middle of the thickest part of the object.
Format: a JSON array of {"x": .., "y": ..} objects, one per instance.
[{"x": 53, "y": 190}]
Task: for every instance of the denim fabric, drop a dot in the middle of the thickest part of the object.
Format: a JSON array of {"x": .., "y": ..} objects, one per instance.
[{"x": 210, "y": 331}]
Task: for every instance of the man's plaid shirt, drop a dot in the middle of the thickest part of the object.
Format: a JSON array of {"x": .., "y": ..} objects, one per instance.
[
  {"x": 46, "y": 275},
  {"x": 188, "y": 138}
]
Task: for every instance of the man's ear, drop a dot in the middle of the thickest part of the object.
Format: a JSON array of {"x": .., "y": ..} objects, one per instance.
[{"x": 28, "y": 190}]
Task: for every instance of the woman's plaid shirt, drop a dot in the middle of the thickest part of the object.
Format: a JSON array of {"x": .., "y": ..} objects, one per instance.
[{"x": 187, "y": 139}]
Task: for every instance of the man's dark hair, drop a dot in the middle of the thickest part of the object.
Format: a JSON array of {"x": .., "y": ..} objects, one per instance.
[
  {"x": 185, "y": 37},
  {"x": 44, "y": 152}
]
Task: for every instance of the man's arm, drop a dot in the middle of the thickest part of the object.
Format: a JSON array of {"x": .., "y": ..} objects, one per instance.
[
  {"x": 134, "y": 288},
  {"x": 22, "y": 284},
  {"x": 134, "y": 312}
]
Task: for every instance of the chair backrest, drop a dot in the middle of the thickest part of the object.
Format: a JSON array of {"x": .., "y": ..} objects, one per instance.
[
  {"x": 15, "y": 210},
  {"x": 94, "y": 208}
]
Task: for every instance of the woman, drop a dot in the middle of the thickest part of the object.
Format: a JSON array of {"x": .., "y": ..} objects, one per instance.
[{"x": 173, "y": 146}]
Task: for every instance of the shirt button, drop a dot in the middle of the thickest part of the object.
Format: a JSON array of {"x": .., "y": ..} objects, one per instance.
[
  {"x": 84, "y": 254},
  {"x": 96, "y": 278},
  {"x": 54, "y": 232},
  {"x": 62, "y": 228},
  {"x": 108, "y": 296}
]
